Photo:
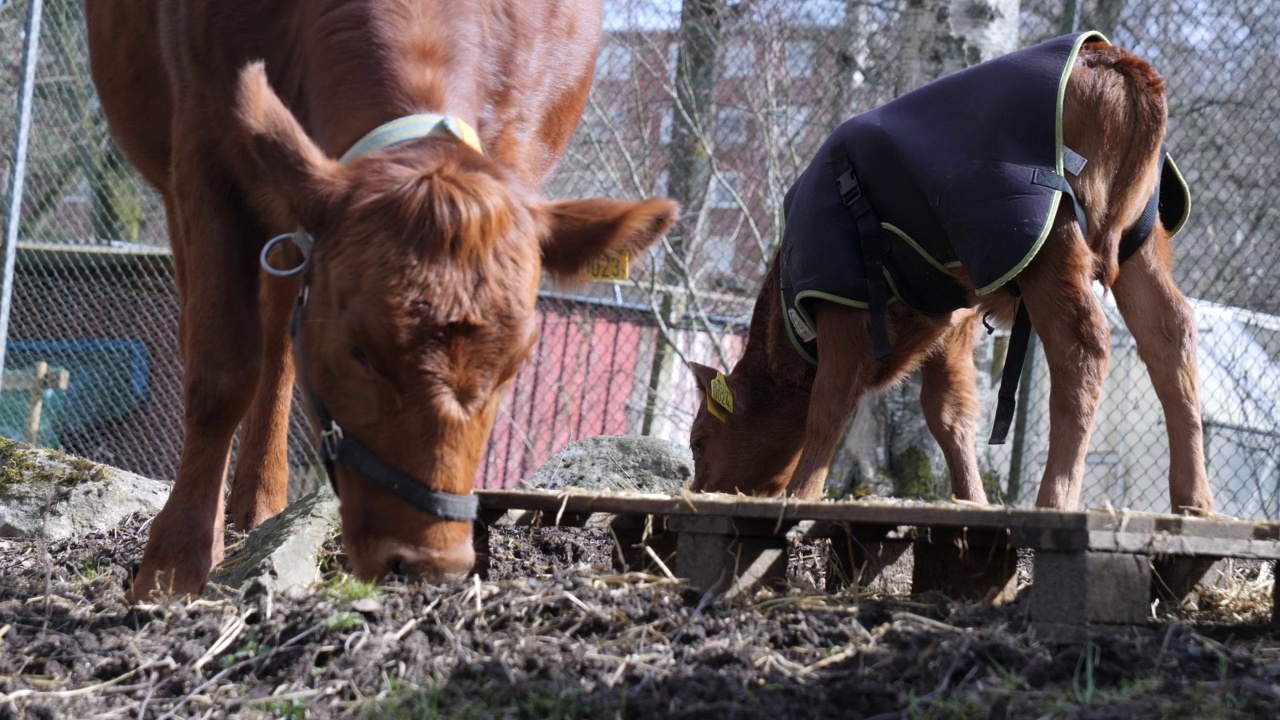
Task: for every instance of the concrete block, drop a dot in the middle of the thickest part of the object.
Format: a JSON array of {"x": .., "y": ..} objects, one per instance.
[
  {"x": 1078, "y": 588},
  {"x": 728, "y": 564}
]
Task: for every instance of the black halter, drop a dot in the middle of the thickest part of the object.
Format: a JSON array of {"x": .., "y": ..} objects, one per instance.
[{"x": 337, "y": 446}]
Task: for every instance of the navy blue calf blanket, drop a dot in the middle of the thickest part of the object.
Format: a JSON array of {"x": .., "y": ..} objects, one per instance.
[{"x": 965, "y": 172}]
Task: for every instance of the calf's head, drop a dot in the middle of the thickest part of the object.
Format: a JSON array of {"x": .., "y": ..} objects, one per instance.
[
  {"x": 420, "y": 308},
  {"x": 747, "y": 434}
]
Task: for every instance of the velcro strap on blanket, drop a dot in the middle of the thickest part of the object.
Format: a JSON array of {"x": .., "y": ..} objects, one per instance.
[
  {"x": 871, "y": 240},
  {"x": 1057, "y": 182}
]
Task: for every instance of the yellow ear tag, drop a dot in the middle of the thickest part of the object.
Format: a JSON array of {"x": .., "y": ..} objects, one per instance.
[
  {"x": 720, "y": 399},
  {"x": 611, "y": 265}
]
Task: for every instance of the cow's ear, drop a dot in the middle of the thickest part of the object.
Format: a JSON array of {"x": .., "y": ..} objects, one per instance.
[
  {"x": 704, "y": 375},
  {"x": 308, "y": 181},
  {"x": 576, "y": 232}
]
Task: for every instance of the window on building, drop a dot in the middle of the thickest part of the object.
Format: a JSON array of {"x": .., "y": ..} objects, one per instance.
[
  {"x": 733, "y": 126},
  {"x": 790, "y": 123},
  {"x": 739, "y": 58},
  {"x": 799, "y": 57},
  {"x": 614, "y": 61},
  {"x": 673, "y": 61},
  {"x": 665, "y": 125},
  {"x": 720, "y": 265},
  {"x": 725, "y": 189}
]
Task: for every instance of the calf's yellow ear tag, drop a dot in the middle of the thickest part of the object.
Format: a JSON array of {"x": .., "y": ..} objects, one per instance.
[
  {"x": 720, "y": 399},
  {"x": 611, "y": 265}
]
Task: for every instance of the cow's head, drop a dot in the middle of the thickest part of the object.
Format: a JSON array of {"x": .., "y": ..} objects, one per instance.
[
  {"x": 420, "y": 308},
  {"x": 745, "y": 436}
]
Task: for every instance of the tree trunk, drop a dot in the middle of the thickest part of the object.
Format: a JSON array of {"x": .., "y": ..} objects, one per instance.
[
  {"x": 697, "y": 74},
  {"x": 946, "y": 35},
  {"x": 851, "y": 62}
]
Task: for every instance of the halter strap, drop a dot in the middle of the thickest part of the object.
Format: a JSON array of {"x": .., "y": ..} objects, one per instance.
[
  {"x": 404, "y": 129},
  {"x": 412, "y": 127}
]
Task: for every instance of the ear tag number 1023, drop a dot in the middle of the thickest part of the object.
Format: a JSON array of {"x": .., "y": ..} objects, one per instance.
[{"x": 613, "y": 265}]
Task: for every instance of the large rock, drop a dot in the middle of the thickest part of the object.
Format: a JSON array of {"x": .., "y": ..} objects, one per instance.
[
  {"x": 283, "y": 552},
  {"x": 48, "y": 494},
  {"x": 611, "y": 463}
]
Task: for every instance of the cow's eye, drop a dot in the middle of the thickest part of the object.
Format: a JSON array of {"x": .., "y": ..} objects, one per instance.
[
  {"x": 697, "y": 446},
  {"x": 358, "y": 355}
]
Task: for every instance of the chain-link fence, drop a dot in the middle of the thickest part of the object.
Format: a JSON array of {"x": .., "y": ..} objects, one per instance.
[{"x": 719, "y": 104}]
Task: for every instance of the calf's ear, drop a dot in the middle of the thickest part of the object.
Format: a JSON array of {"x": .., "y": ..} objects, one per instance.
[
  {"x": 298, "y": 171},
  {"x": 704, "y": 375},
  {"x": 576, "y": 232}
]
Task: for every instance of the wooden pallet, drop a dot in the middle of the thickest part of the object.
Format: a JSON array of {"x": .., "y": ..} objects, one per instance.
[{"x": 1089, "y": 567}]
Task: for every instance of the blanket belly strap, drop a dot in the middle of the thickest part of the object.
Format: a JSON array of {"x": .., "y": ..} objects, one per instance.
[
  {"x": 1132, "y": 241},
  {"x": 872, "y": 241}
]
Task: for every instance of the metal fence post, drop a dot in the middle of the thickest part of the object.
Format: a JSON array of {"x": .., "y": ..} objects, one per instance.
[{"x": 17, "y": 172}]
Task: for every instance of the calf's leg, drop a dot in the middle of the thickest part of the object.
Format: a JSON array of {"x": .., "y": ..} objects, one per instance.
[
  {"x": 948, "y": 397},
  {"x": 220, "y": 339},
  {"x": 846, "y": 370},
  {"x": 260, "y": 484},
  {"x": 1164, "y": 329},
  {"x": 1056, "y": 287}
]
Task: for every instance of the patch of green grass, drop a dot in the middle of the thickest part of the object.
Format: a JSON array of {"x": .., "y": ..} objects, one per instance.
[
  {"x": 345, "y": 587},
  {"x": 89, "y": 568},
  {"x": 1148, "y": 696},
  {"x": 248, "y": 645},
  {"x": 345, "y": 622},
  {"x": 960, "y": 707},
  {"x": 532, "y": 702},
  {"x": 294, "y": 709}
]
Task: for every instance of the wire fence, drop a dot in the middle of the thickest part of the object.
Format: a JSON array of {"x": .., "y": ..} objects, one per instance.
[{"x": 719, "y": 104}]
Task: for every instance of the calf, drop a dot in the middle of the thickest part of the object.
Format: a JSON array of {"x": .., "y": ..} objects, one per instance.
[
  {"x": 395, "y": 150},
  {"x": 1068, "y": 194}
]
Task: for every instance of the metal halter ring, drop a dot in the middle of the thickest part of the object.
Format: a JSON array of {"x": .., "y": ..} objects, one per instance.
[
  {"x": 331, "y": 439},
  {"x": 291, "y": 237}
]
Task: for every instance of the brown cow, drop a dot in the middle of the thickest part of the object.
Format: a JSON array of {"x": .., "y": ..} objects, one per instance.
[
  {"x": 418, "y": 300},
  {"x": 787, "y": 414}
]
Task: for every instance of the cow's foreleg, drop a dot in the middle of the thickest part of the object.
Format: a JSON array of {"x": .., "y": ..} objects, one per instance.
[
  {"x": 843, "y": 375},
  {"x": 260, "y": 483},
  {"x": 221, "y": 343},
  {"x": 847, "y": 370},
  {"x": 1164, "y": 328},
  {"x": 1056, "y": 287},
  {"x": 948, "y": 397}
]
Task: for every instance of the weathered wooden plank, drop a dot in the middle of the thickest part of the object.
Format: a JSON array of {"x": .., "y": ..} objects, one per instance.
[
  {"x": 1275, "y": 599},
  {"x": 1029, "y": 528},
  {"x": 776, "y": 508},
  {"x": 1182, "y": 545},
  {"x": 643, "y": 544}
]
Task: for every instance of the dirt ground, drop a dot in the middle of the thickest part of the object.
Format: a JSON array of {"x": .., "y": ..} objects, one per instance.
[{"x": 555, "y": 633}]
